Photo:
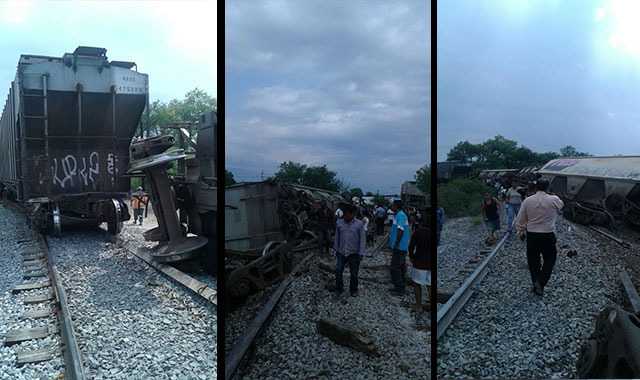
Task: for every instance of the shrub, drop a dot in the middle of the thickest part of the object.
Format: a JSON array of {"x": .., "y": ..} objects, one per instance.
[{"x": 461, "y": 197}]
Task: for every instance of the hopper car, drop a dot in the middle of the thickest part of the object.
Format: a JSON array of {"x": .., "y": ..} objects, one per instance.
[
  {"x": 597, "y": 190},
  {"x": 65, "y": 132}
]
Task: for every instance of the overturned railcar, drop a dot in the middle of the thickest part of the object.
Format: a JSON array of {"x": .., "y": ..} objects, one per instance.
[
  {"x": 188, "y": 236},
  {"x": 596, "y": 190},
  {"x": 65, "y": 132},
  {"x": 259, "y": 218}
]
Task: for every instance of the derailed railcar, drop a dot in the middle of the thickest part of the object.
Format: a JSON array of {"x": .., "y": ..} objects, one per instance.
[
  {"x": 65, "y": 133},
  {"x": 597, "y": 189},
  {"x": 259, "y": 218}
]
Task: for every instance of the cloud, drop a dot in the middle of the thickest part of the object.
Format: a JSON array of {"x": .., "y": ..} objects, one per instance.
[{"x": 346, "y": 84}]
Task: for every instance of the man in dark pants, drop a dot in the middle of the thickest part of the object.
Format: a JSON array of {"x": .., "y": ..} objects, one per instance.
[
  {"x": 324, "y": 218},
  {"x": 349, "y": 244},
  {"x": 379, "y": 213},
  {"x": 537, "y": 216},
  {"x": 399, "y": 240}
]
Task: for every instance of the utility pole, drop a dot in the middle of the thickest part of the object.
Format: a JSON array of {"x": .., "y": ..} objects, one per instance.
[{"x": 262, "y": 175}]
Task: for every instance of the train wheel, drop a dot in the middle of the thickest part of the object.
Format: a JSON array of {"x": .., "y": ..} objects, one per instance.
[{"x": 114, "y": 223}]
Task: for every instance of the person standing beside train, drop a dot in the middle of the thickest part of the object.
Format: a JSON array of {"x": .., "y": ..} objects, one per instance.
[
  {"x": 513, "y": 200},
  {"x": 350, "y": 246},
  {"x": 399, "y": 241},
  {"x": 138, "y": 201},
  {"x": 537, "y": 217}
]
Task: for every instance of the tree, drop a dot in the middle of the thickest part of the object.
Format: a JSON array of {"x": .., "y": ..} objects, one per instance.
[
  {"x": 500, "y": 153},
  {"x": 356, "y": 192},
  {"x": 313, "y": 176},
  {"x": 570, "y": 151},
  {"x": 322, "y": 178},
  {"x": 291, "y": 171},
  {"x": 423, "y": 179},
  {"x": 368, "y": 194},
  {"x": 228, "y": 178},
  {"x": 195, "y": 103},
  {"x": 464, "y": 151}
]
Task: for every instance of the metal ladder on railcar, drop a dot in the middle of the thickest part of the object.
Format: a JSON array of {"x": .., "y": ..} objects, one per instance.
[{"x": 23, "y": 126}]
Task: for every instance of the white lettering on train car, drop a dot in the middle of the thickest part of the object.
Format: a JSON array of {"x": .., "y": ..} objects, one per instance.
[{"x": 69, "y": 165}]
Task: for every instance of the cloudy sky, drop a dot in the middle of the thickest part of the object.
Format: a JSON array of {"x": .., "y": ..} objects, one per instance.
[
  {"x": 342, "y": 84},
  {"x": 173, "y": 42},
  {"x": 544, "y": 73}
]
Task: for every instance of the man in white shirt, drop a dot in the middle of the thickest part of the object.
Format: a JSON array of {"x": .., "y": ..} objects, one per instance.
[{"x": 538, "y": 217}]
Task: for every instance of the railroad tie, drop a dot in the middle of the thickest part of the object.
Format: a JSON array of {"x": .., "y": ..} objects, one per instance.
[
  {"x": 31, "y": 286},
  {"x": 39, "y": 313},
  {"x": 38, "y": 273},
  {"x": 32, "y": 257},
  {"x": 39, "y": 298},
  {"x": 35, "y": 356},
  {"x": 33, "y": 266},
  {"x": 20, "y": 335}
]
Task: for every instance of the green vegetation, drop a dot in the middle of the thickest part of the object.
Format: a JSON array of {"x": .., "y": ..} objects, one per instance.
[
  {"x": 461, "y": 197},
  {"x": 501, "y": 153},
  {"x": 228, "y": 178},
  {"x": 195, "y": 103},
  {"x": 313, "y": 176},
  {"x": 423, "y": 179},
  {"x": 356, "y": 192}
]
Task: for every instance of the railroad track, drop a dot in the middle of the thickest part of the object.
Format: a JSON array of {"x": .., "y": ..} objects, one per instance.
[
  {"x": 448, "y": 312},
  {"x": 195, "y": 286},
  {"x": 42, "y": 273},
  {"x": 246, "y": 339}
]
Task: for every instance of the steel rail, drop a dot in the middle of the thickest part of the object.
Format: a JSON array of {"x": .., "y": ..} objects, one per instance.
[
  {"x": 610, "y": 236},
  {"x": 71, "y": 352},
  {"x": 196, "y": 286},
  {"x": 454, "y": 305},
  {"x": 243, "y": 343},
  {"x": 634, "y": 299}
]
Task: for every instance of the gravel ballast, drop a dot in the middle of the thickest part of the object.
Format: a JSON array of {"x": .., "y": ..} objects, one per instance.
[
  {"x": 130, "y": 321},
  {"x": 289, "y": 347},
  {"x": 506, "y": 331}
]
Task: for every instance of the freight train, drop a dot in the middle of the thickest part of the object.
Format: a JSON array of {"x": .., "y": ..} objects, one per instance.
[
  {"x": 65, "y": 133},
  {"x": 596, "y": 190}
]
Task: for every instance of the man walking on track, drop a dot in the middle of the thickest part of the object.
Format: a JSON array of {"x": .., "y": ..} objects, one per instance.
[
  {"x": 537, "y": 217},
  {"x": 514, "y": 200}
]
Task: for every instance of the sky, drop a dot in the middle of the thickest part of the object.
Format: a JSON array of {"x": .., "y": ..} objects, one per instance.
[
  {"x": 173, "y": 42},
  {"x": 346, "y": 84},
  {"x": 543, "y": 73}
]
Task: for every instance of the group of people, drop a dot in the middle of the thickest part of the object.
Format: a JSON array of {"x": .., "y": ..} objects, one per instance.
[
  {"x": 534, "y": 210},
  {"x": 351, "y": 225}
]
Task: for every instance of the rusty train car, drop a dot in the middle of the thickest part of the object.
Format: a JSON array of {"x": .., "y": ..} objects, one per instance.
[
  {"x": 185, "y": 204},
  {"x": 65, "y": 132},
  {"x": 597, "y": 190}
]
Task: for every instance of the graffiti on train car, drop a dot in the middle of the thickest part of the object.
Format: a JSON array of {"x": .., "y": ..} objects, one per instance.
[
  {"x": 78, "y": 171},
  {"x": 68, "y": 168}
]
